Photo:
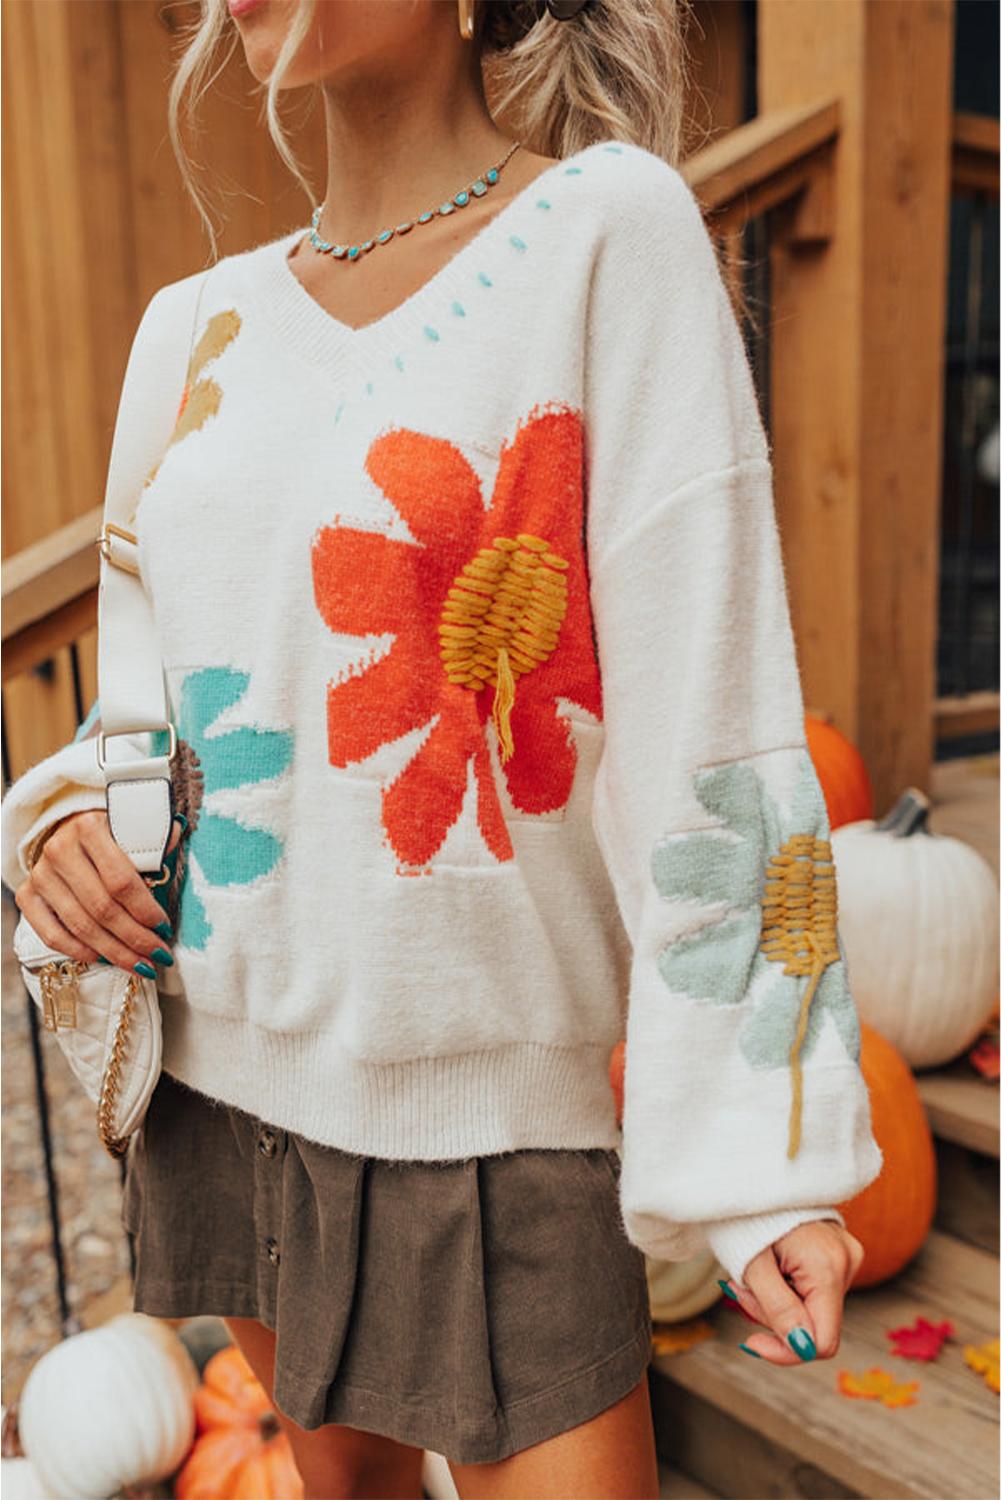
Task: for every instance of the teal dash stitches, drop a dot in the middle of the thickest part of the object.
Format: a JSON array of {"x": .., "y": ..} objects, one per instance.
[
  {"x": 572, "y": 171},
  {"x": 518, "y": 244},
  {"x": 226, "y": 852},
  {"x": 722, "y": 962},
  {"x": 398, "y": 362},
  {"x": 485, "y": 279},
  {"x": 458, "y": 309},
  {"x": 543, "y": 203},
  {"x": 369, "y": 387},
  {"x": 616, "y": 149},
  {"x": 432, "y": 333},
  {"x": 337, "y": 413}
]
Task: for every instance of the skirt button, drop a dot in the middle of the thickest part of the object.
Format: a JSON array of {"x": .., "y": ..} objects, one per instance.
[
  {"x": 274, "y": 1255},
  {"x": 266, "y": 1144}
]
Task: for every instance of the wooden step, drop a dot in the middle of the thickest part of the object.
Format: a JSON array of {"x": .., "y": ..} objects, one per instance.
[
  {"x": 677, "y": 1486},
  {"x": 962, "y": 1106},
  {"x": 963, "y": 1113},
  {"x": 746, "y": 1428}
]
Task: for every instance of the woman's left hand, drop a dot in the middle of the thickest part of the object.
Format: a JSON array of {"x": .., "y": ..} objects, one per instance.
[{"x": 799, "y": 1283}]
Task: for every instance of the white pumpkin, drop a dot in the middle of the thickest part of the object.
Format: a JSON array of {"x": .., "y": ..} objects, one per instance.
[
  {"x": 681, "y": 1289},
  {"x": 918, "y": 921},
  {"x": 109, "y": 1407},
  {"x": 19, "y": 1481}
]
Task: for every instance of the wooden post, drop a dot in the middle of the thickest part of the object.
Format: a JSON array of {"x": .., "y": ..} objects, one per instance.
[{"x": 857, "y": 367}]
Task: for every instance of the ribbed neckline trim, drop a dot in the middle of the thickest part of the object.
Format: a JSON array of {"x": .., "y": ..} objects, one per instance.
[{"x": 326, "y": 341}]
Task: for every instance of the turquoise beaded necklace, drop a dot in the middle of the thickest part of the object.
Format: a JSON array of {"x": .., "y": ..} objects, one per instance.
[{"x": 465, "y": 195}]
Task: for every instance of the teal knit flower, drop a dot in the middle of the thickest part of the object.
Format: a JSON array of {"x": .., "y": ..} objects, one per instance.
[
  {"x": 224, "y": 850},
  {"x": 773, "y": 938}
]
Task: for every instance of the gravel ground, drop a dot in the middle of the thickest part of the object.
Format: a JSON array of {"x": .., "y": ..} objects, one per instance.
[{"x": 88, "y": 1180}]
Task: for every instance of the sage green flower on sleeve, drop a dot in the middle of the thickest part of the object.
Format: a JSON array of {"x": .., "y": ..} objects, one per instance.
[{"x": 771, "y": 937}]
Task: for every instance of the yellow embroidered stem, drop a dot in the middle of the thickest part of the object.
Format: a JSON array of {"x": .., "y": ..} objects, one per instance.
[
  {"x": 503, "y": 703},
  {"x": 799, "y": 930},
  {"x": 796, "y": 1111},
  {"x": 501, "y": 619}
]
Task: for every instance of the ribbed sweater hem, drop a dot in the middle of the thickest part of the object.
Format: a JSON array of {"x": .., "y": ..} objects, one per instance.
[{"x": 506, "y": 1098}]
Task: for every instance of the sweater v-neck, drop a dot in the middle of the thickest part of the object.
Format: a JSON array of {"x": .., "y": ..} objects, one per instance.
[{"x": 326, "y": 340}]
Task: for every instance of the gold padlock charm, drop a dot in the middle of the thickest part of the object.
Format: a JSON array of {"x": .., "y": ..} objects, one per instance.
[{"x": 59, "y": 994}]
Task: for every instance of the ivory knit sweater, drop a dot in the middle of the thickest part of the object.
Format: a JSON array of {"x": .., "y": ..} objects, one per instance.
[{"x": 475, "y": 628}]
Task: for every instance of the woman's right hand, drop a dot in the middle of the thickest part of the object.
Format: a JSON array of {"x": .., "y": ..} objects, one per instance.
[{"x": 85, "y": 897}]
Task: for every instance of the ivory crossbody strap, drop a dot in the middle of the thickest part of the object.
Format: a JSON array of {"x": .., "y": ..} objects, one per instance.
[{"x": 131, "y": 686}]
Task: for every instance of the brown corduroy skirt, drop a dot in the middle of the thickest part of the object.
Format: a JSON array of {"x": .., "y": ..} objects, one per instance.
[{"x": 472, "y": 1307}]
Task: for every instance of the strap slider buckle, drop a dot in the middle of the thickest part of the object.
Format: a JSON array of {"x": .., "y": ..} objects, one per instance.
[
  {"x": 104, "y": 736},
  {"x": 128, "y": 564}
]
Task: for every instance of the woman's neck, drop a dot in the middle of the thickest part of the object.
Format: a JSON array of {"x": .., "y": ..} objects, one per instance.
[{"x": 405, "y": 145}]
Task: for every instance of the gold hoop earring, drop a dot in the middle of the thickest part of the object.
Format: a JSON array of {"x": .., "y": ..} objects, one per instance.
[{"x": 466, "y": 26}]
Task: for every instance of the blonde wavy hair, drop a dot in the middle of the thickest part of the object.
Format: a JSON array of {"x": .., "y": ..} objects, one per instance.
[{"x": 618, "y": 70}]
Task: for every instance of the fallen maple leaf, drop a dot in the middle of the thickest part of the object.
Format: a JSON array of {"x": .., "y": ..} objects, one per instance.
[
  {"x": 922, "y": 1340},
  {"x": 984, "y": 1359},
  {"x": 674, "y": 1338},
  {"x": 878, "y": 1385},
  {"x": 985, "y": 1056}
]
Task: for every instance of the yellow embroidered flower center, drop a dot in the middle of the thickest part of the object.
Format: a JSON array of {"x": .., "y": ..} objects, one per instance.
[
  {"x": 799, "y": 930},
  {"x": 502, "y": 617}
]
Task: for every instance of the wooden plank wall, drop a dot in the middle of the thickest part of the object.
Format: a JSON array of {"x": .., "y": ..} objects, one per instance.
[
  {"x": 97, "y": 219},
  {"x": 857, "y": 338}
]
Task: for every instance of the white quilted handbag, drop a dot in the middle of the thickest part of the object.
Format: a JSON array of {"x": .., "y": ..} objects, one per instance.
[
  {"x": 107, "y": 1023},
  {"x": 106, "y": 1020}
]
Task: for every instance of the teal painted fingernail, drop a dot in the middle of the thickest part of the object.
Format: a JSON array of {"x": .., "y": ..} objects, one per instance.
[
  {"x": 728, "y": 1289},
  {"x": 801, "y": 1342},
  {"x": 162, "y": 956},
  {"x": 145, "y": 969},
  {"x": 748, "y": 1350},
  {"x": 165, "y": 930},
  {"x": 102, "y": 960}
]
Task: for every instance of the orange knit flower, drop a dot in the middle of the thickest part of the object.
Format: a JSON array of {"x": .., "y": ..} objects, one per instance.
[{"x": 491, "y": 617}]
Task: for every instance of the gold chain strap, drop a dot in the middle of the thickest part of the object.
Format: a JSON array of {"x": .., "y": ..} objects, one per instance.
[{"x": 116, "y": 1146}]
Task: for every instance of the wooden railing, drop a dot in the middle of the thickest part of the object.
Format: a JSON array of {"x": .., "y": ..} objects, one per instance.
[
  {"x": 975, "y": 154},
  {"x": 50, "y": 593},
  {"x": 767, "y": 162}
]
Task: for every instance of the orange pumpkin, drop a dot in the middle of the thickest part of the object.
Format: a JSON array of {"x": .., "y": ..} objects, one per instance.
[
  {"x": 239, "y": 1452},
  {"x": 841, "y": 772},
  {"x": 893, "y": 1215}
]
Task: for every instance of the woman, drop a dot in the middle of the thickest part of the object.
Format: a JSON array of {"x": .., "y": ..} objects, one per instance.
[{"x": 464, "y": 559}]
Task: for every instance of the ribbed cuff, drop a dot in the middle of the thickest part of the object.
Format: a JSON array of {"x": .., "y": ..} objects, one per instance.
[{"x": 735, "y": 1242}]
